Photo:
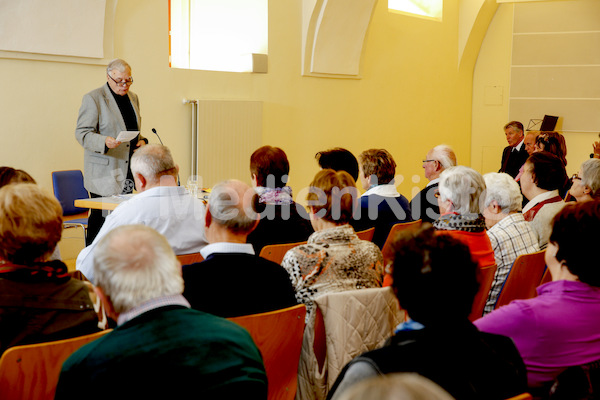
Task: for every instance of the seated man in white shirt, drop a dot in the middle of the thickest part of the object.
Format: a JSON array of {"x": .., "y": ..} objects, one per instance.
[
  {"x": 159, "y": 204},
  {"x": 381, "y": 206}
]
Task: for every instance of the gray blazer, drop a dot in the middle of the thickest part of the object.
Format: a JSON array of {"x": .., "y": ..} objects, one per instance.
[{"x": 99, "y": 116}]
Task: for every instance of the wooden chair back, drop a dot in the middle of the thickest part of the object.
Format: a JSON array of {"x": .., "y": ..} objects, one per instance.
[
  {"x": 278, "y": 336},
  {"x": 191, "y": 258},
  {"x": 388, "y": 254},
  {"x": 31, "y": 371},
  {"x": 276, "y": 252},
  {"x": 524, "y": 276},
  {"x": 367, "y": 234},
  {"x": 522, "y": 396},
  {"x": 485, "y": 277}
]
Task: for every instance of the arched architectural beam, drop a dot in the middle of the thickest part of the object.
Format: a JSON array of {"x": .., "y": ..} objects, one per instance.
[{"x": 333, "y": 35}]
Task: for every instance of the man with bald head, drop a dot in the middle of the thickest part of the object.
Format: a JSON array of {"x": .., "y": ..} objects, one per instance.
[
  {"x": 160, "y": 348},
  {"x": 232, "y": 280},
  {"x": 424, "y": 205}
]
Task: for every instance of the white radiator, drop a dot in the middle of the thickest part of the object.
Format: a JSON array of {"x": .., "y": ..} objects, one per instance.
[{"x": 224, "y": 135}]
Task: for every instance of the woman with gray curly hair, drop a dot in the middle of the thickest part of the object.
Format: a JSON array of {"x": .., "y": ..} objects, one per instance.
[
  {"x": 460, "y": 216},
  {"x": 586, "y": 183}
]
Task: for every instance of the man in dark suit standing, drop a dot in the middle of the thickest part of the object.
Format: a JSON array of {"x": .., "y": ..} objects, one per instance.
[
  {"x": 424, "y": 205},
  {"x": 514, "y": 155}
]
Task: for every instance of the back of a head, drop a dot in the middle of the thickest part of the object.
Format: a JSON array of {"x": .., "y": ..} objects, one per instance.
[
  {"x": 271, "y": 166},
  {"x": 444, "y": 154},
  {"x": 575, "y": 232},
  {"x": 230, "y": 206},
  {"x": 502, "y": 188},
  {"x": 548, "y": 171},
  {"x": 153, "y": 161},
  {"x": 378, "y": 162},
  {"x": 404, "y": 386},
  {"x": 11, "y": 175},
  {"x": 553, "y": 142},
  {"x": 333, "y": 195},
  {"x": 433, "y": 273},
  {"x": 30, "y": 223},
  {"x": 590, "y": 176},
  {"x": 463, "y": 186},
  {"x": 134, "y": 264},
  {"x": 338, "y": 159}
]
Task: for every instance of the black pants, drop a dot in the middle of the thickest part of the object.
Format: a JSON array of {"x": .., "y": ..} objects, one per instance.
[{"x": 95, "y": 222}]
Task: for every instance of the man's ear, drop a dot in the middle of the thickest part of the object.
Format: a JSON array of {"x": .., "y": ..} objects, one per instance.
[
  {"x": 140, "y": 178},
  {"x": 207, "y": 217},
  {"x": 106, "y": 303}
]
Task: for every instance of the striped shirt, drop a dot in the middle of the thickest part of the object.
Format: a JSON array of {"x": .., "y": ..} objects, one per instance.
[{"x": 510, "y": 238}]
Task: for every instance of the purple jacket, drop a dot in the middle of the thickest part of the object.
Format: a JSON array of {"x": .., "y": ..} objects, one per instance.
[{"x": 557, "y": 329}]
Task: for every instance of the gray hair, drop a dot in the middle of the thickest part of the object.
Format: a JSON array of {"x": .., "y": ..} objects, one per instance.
[
  {"x": 118, "y": 64},
  {"x": 134, "y": 264},
  {"x": 230, "y": 205},
  {"x": 152, "y": 161},
  {"x": 403, "y": 385},
  {"x": 590, "y": 175},
  {"x": 462, "y": 186},
  {"x": 502, "y": 188},
  {"x": 445, "y": 155}
]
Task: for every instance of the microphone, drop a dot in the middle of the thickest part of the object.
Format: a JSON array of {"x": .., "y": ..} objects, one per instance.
[{"x": 156, "y": 133}]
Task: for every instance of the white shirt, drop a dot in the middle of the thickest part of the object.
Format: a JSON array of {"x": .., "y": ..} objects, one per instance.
[
  {"x": 433, "y": 181},
  {"x": 539, "y": 198},
  {"x": 518, "y": 147},
  {"x": 227, "y": 247},
  {"x": 168, "y": 209},
  {"x": 387, "y": 190}
]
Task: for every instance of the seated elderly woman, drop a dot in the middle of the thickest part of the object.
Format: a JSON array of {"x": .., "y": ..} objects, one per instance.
[
  {"x": 552, "y": 142},
  {"x": 435, "y": 282},
  {"x": 459, "y": 191},
  {"x": 560, "y": 327},
  {"x": 334, "y": 259},
  {"x": 509, "y": 233},
  {"x": 586, "y": 184},
  {"x": 57, "y": 306},
  {"x": 543, "y": 177}
]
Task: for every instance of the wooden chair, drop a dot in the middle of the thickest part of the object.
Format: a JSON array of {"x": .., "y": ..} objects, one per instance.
[
  {"x": 276, "y": 252},
  {"x": 367, "y": 234},
  {"x": 388, "y": 254},
  {"x": 31, "y": 371},
  {"x": 522, "y": 396},
  {"x": 524, "y": 276},
  {"x": 191, "y": 258},
  {"x": 278, "y": 335},
  {"x": 485, "y": 277}
]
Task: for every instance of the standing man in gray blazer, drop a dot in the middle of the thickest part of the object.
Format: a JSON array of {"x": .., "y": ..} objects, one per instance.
[{"x": 104, "y": 113}]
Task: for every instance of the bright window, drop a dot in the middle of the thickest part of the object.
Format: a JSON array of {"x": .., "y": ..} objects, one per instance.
[
  {"x": 218, "y": 35},
  {"x": 424, "y": 8}
]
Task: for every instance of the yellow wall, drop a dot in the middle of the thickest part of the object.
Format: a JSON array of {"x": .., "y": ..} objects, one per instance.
[{"x": 411, "y": 96}]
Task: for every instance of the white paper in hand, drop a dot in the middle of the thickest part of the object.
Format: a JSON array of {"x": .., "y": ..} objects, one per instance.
[{"x": 126, "y": 136}]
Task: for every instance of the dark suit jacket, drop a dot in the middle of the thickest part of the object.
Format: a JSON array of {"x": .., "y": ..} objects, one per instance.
[
  {"x": 280, "y": 224},
  {"x": 424, "y": 205},
  {"x": 389, "y": 211},
  {"x": 512, "y": 161},
  {"x": 234, "y": 284}
]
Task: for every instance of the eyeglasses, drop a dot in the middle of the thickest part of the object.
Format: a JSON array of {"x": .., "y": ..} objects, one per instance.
[
  {"x": 424, "y": 161},
  {"x": 575, "y": 176},
  {"x": 127, "y": 82}
]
